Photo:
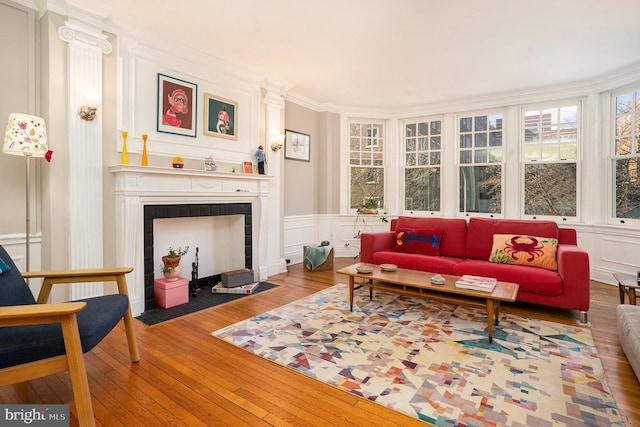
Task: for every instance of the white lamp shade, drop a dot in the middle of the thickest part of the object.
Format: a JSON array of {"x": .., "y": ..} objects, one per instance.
[{"x": 26, "y": 136}]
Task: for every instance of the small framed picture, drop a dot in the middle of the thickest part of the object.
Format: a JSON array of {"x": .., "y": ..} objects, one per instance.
[
  {"x": 176, "y": 106},
  {"x": 248, "y": 167},
  {"x": 296, "y": 145},
  {"x": 220, "y": 117}
]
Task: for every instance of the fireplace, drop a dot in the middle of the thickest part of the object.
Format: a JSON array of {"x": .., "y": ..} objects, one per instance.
[
  {"x": 145, "y": 193},
  {"x": 153, "y": 212}
]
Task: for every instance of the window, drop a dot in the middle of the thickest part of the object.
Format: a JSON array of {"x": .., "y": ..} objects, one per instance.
[
  {"x": 626, "y": 155},
  {"x": 480, "y": 163},
  {"x": 422, "y": 150},
  {"x": 366, "y": 165},
  {"x": 550, "y": 151}
]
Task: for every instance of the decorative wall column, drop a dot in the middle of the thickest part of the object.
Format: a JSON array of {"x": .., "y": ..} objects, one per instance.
[
  {"x": 274, "y": 114},
  {"x": 86, "y": 47}
]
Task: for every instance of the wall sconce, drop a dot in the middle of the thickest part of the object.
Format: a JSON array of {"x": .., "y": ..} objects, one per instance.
[
  {"x": 278, "y": 144},
  {"x": 90, "y": 106}
]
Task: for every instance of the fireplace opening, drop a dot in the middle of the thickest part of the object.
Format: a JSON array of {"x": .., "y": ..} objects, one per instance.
[{"x": 233, "y": 233}]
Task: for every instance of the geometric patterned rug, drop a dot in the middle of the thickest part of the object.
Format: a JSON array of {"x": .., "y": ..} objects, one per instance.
[{"x": 433, "y": 361}]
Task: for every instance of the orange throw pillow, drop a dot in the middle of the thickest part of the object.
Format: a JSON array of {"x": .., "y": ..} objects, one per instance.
[{"x": 524, "y": 250}]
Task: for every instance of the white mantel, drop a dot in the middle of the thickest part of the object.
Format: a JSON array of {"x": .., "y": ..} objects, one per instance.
[{"x": 137, "y": 186}]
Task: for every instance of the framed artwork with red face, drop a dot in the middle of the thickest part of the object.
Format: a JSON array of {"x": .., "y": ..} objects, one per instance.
[{"x": 177, "y": 106}]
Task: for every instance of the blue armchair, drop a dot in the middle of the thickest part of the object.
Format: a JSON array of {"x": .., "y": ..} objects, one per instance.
[{"x": 38, "y": 339}]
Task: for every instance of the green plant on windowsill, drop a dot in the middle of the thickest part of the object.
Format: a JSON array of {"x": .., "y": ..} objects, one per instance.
[{"x": 370, "y": 207}]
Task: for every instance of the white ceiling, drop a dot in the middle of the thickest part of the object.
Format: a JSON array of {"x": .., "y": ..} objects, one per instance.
[{"x": 397, "y": 53}]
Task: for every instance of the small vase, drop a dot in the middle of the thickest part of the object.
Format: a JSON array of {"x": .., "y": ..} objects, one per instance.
[
  {"x": 145, "y": 160},
  {"x": 173, "y": 275},
  {"x": 125, "y": 155}
]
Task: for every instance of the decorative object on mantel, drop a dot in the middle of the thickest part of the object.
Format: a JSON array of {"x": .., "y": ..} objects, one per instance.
[
  {"x": 247, "y": 167},
  {"x": 125, "y": 155},
  {"x": 145, "y": 159},
  {"x": 177, "y": 162},
  {"x": 171, "y": 262},
  {"x": 209, "y": 164},
  {"x": 261, "y": 158}
]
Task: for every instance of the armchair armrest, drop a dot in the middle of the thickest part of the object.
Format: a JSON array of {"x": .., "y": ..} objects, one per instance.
[
  {"x": 52, "y": 277},
  {"x": 90, "y": 275},
  {"x": 371, "y": 243},
  {"x": 34, "y": 314},
  {"x": 573, "y": 268}
]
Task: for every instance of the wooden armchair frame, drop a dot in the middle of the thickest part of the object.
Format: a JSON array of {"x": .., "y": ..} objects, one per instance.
[{"x": 65, "y": 314}]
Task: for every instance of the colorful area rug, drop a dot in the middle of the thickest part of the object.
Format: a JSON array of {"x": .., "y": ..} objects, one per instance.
[{"x": 433, "y": 361}]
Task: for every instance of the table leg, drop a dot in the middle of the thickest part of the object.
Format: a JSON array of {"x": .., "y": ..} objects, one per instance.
[
  {"x": 621, "y": 289},
  {"x": 632, "y": 296},
  {"x": 490, "y": 320},
  {"x": 497, "y": 312},
  {"x": 370, "y": 291},
  {"x": 351, "y": 285}
]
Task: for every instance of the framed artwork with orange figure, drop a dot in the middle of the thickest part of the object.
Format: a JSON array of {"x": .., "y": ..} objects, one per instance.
[{"x": 177, "y": 106}]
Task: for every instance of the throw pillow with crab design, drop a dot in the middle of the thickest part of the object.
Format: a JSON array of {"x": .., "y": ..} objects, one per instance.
[{"x": 533, "y": 251}]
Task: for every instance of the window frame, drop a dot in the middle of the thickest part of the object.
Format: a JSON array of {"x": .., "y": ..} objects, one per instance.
[
  {"x": 612, "y": 145},
  {"x": 502, "y": 111},
  {"x": 556, "y": 104},
  {"x": 373, "y": 140},
  {"x": 403, "y": 153}
]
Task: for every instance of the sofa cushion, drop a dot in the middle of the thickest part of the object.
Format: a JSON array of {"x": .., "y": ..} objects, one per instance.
[
  {"x": 628, "y": 318},
  {"x": 454, "y": 232},
  {"x": 528, "y": 250},
  {"x": 535, "y": 280},
  {"x": 433, "y": 264},
  {"x": 425, "y": 241},
  {"x": 481, "y": 231}
]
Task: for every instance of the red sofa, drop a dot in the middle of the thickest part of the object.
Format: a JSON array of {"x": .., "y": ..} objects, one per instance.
[{"x": 465, "y": 248}]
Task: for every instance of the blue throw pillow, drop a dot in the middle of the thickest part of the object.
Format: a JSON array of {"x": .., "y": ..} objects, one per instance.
[{"x": 4, "y": 268}]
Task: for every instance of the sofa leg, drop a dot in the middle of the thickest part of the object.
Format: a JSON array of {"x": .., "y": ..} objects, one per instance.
[{"x": 584, "y": 319}]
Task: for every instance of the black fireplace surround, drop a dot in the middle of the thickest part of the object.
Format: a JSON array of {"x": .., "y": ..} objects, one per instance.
[{"x": 152, "y": 212}]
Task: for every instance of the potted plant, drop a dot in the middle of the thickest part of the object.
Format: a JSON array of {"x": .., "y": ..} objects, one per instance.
[
  {"x": 170, "y": 273},
  {"x": 173, "y": 256}
]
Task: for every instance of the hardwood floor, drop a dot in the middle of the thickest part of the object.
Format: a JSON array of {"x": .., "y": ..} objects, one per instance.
[{"x": 186, "y": 377}]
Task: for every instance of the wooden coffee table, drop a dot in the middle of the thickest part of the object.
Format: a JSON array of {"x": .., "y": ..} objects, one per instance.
[
  {"x": 627, "y": 284},
  {"x": 418, "y": 284}
]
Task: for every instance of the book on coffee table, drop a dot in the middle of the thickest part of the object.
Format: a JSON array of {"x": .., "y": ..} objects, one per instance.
[{"x": 476, "y": 283}]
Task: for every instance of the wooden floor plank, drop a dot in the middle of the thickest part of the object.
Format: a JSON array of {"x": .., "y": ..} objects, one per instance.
[{"x": 186, "y": 377}]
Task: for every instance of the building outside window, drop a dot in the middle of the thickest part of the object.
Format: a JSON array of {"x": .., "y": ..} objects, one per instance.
[
  {"x": 480, "y": 149},
  {"x": 550, "y": 153},
  {"x": 626, "y": 155},
  {"x": 422, "y": 150},
  {"x": 366, "y": 165}
]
